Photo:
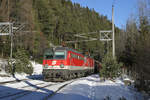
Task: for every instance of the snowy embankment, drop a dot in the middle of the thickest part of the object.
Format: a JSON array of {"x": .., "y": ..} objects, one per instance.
[
  {"x": 91, "y": 88},
  {"x": 37, "y": 68},
  {"x": 4, "y": 77}
]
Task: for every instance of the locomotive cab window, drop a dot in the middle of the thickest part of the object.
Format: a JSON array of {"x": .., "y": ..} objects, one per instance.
[
  {"x": 48, "y": 56},
  {"x": 59, "y": 55}
]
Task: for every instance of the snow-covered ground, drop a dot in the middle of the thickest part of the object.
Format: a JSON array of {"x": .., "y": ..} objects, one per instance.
[
  {"x": 91, "y": 88},
  {"x": 37, "y": 72},
  {"x": 86, "y": 88},
  {"x": 37, "y": 68}
]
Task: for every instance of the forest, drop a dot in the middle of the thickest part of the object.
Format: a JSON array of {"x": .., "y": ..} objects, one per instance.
[
  {"x": 50, "y": 22},
  {"x": 47, "y": 23}
]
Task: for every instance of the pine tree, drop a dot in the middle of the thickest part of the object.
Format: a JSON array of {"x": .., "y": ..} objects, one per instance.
[
  {"x": 110, "y": 67},
  {"x": 22, "y": 63}
]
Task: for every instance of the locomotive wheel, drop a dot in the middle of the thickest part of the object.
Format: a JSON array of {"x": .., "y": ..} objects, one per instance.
[
  {"x": 75, "y": 75},
  {"x": 72, "y": 76},
  {"x": 66, "y": 77},
  {"x": 69, "y": 76},
  {"x": 78, "y": 75}
]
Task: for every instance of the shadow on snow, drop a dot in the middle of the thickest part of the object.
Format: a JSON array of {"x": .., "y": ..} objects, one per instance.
[
  {"x": 36, "y": 77},
  {"x": 74, "y": 92}
]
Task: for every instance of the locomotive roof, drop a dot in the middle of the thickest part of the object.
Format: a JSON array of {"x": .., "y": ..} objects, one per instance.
[{"x": 67, "y": 49}]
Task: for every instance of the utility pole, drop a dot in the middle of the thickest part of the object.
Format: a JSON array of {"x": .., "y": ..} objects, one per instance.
[
  {"x": 11, "y": 34},
  {"x": 10, "y": 30},
  {"x": 8, "y": 10},
  {"x": 113, "y": 30}
]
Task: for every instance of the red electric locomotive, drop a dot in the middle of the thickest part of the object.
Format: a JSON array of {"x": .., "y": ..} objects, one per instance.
[{"x": 65, "y": 63}]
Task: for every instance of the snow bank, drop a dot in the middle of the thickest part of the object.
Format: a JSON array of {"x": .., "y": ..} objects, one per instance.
[
  {"x": 37, "y": 68},
  {"x": 37, "y": 72},
  {"x": 91, "y": 88}
]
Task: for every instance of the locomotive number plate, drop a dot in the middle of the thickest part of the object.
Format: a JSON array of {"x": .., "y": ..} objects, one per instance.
[{"x": 53, "y": 62}]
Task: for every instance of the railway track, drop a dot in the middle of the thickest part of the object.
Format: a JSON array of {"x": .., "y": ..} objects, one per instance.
[
  {"x": 24, "y": 92},
  {"x": 50, "y": 95},
  {"x": 13, "y": 81},
  {"x": 18, "y": 80},
  {"x": 22, "y": 87},
  {"x": 28, "y": 90}
]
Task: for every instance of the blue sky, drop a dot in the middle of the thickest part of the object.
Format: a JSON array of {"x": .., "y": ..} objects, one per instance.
[{"x": 122, "y": 9}]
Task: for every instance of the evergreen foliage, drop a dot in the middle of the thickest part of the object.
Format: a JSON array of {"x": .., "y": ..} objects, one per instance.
[
  {"x": 51, "y": 21},
  {"x": 20, "y": 63},
  {"x": 110, "y": 67},
  {"x": 137, "y": 46},
  {"x": 8, "y": 68}
]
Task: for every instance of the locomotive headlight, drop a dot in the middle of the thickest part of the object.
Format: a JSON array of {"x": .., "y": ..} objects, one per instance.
[
  {"x": 46, "y": 65},
  {"x": 62, "y": 66}
]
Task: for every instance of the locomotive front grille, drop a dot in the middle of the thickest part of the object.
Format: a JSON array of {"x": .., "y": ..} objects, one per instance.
[{"x": 54, "y": 73}]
